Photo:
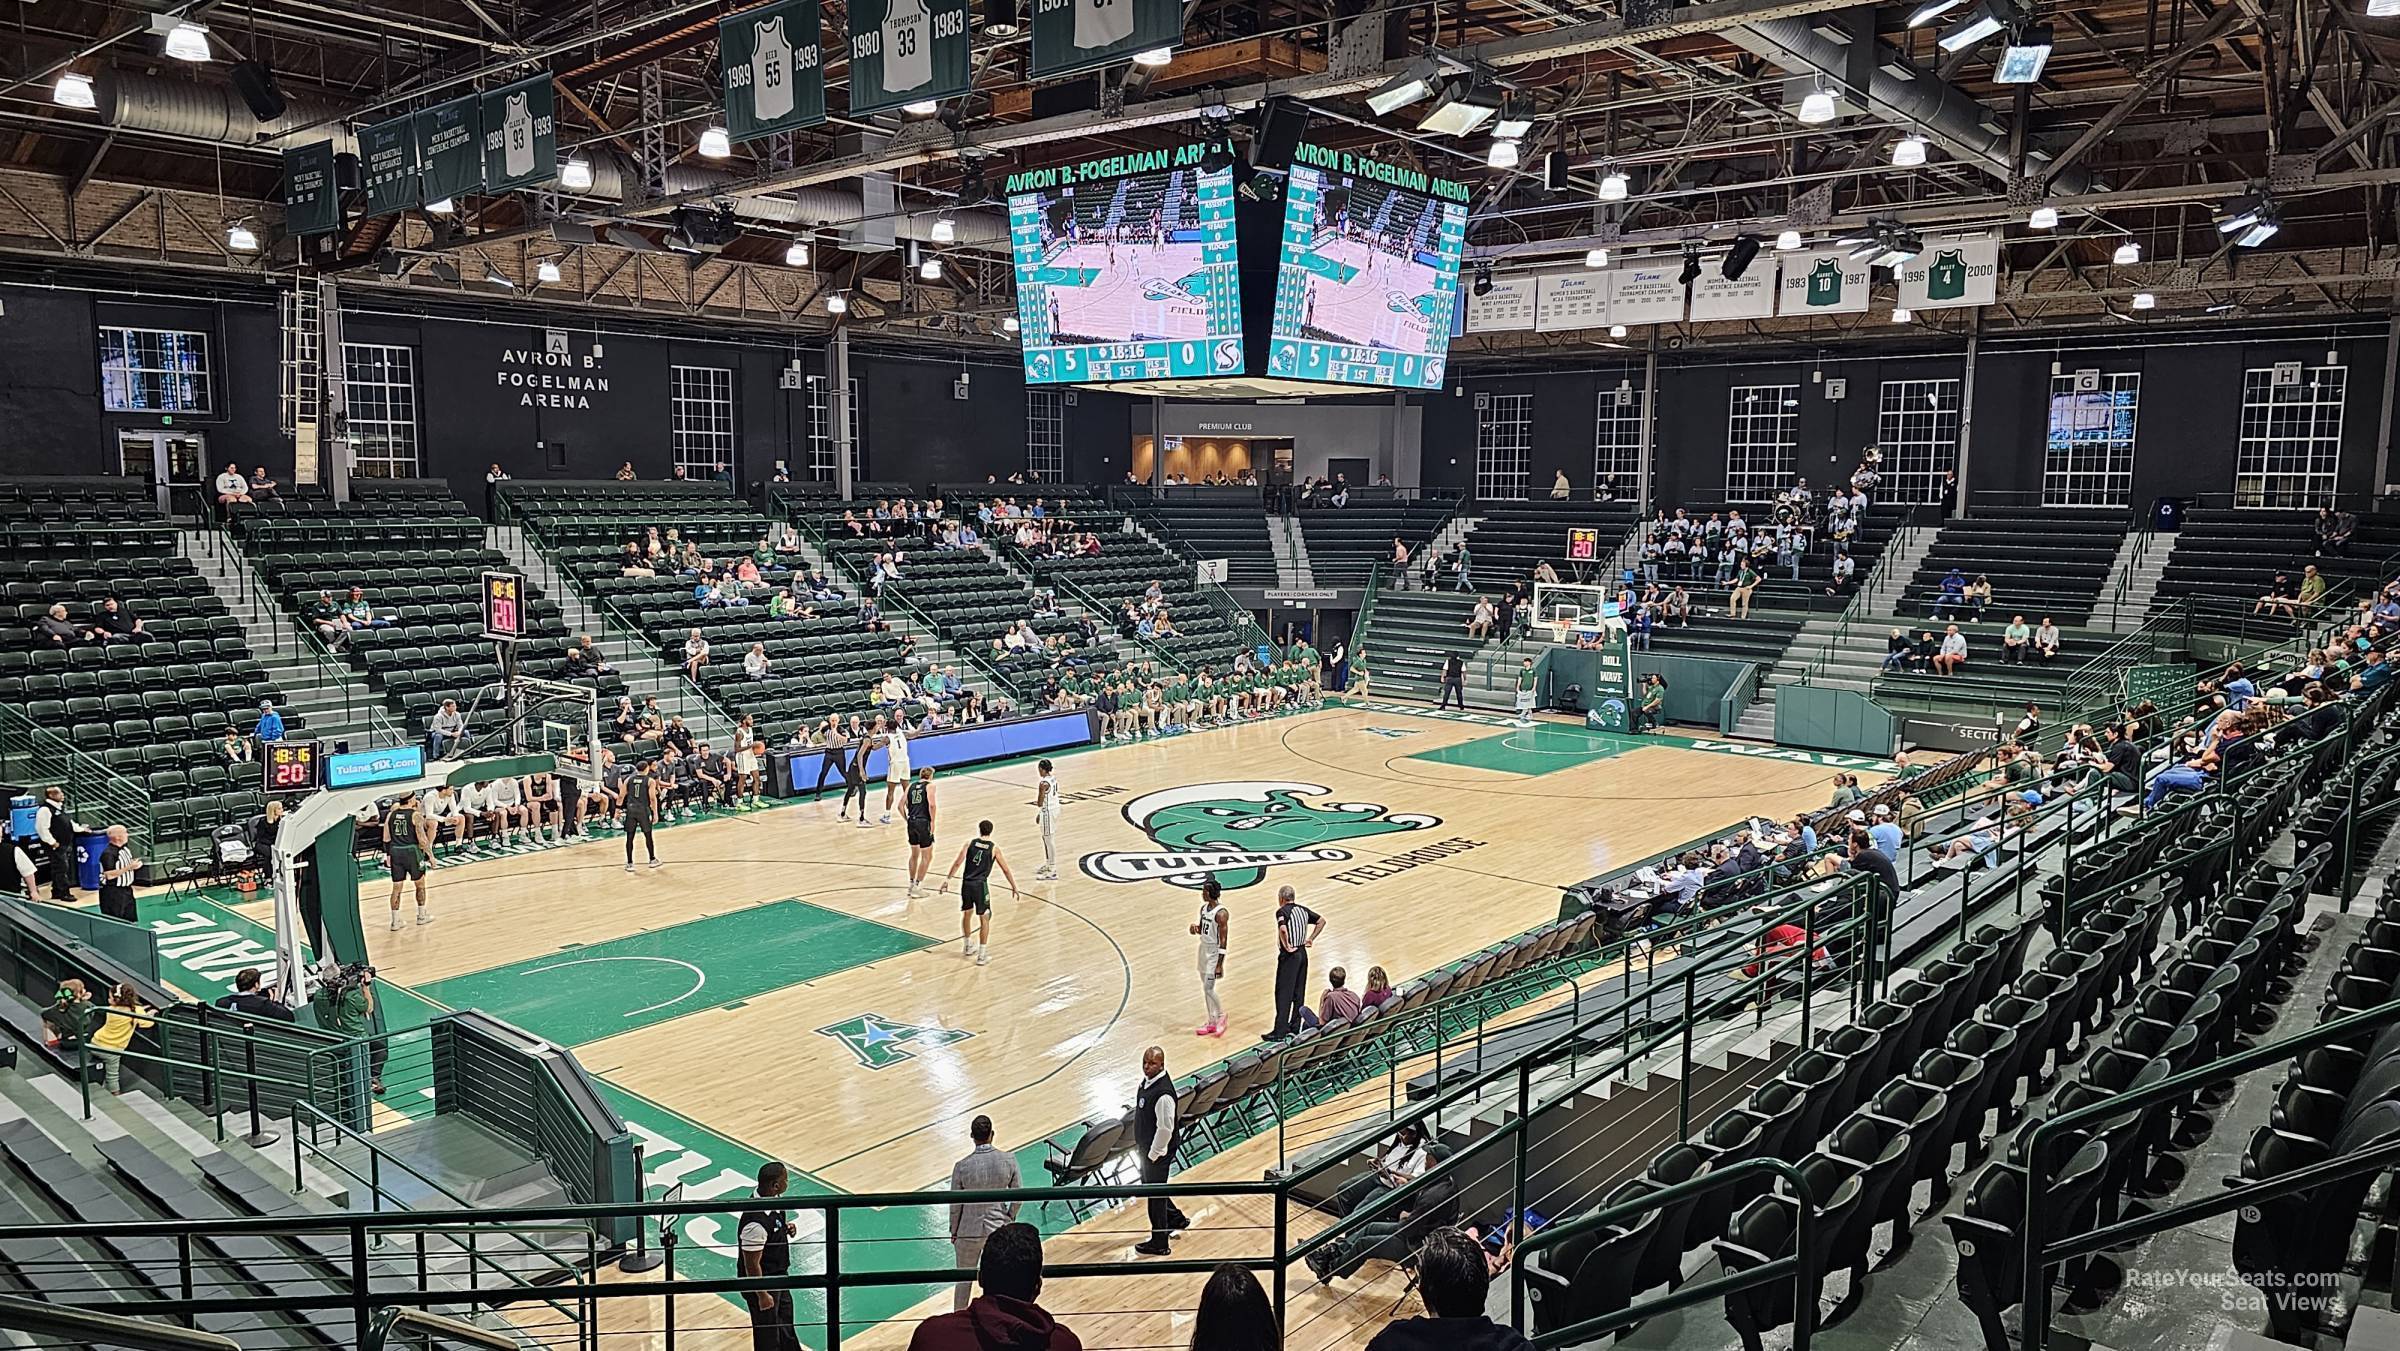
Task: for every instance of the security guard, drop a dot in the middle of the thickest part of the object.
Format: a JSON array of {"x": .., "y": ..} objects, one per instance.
[{"x": 765, "y": 1240}]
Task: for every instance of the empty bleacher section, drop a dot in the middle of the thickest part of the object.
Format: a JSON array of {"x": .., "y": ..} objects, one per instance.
[
  {"x": 424, "y": 589},
  {"x": 131, "y": 722},
  {"x": 1227, "y": 523},
  {"x": 1345, "y": 543},
  {"x": 2039, "y": 561},
  {"x": 818, "y": 664},
  {"x": 2230, "y": 557}
]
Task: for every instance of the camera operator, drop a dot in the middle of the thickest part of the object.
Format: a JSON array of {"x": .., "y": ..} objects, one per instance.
[
  {"x": 249, "y": 1001},
  {"x": 345, "y": 1006}
]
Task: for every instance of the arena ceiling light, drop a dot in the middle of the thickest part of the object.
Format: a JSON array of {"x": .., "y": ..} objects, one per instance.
[
  {"x": 1986, "y": 19},
  {"x": 1931, "y": 10},
  {"x": 1154, "y": 58},
  {"x": 715, "y": 144},
  {"x": 1614, "y": 185},
  {"x": 797, "y": 254},
  {"x": 1010, "y": 324},
  {"x": 835, "y": 304},
  {"x": 546, "y": 271},
  {"x": 2026, "y": 55},
  {"x": 1787, "y": 241},
  {"x": 2143, "y": 300},
  {"x": 1001, "y": 18},
  {"x": 1904, "y": 315},
  {"x": 945, "y": 230},
  {"x": 2251, "y": 219},
  {"x": 440, "y": 207},
  {"x": 186, "y": 40},
  {"x": 1617, "y": 330},
  {"x": 1817, "y": 108},
  {"x": 1412, "y": 85},
  {"x": 2383, "y": 9},
  {"x": 73, "y": 90},
  {"x": 2043, "y": 218},
  {"x": 2127, "y": 254},
  {"x": 1899, "y": 246},
  {"x": 1502, "y": 155},
  {"x": 575, "y": 175},
  {"x": 1516, "y": 120},
  {"x": 1483, "y": 280},
  {"x": 921, "y": 108},
  {"x": 1461, "y": 109},
  {"x": 1595, "y": 258},
  {"x": 1691, "y": 267},
  {"x": 1909, "y": 151},
  {"x": 241, "y": 238}
]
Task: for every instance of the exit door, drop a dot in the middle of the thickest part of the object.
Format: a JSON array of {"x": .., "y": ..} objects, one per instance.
[{"x": 174, "y": 464}]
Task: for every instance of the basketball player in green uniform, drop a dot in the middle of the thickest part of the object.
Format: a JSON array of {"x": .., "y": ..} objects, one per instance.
[
  {"x": 920, "y": 830},
  {"x": 407, "y": 851},
  {"x": 978, "y": 856}
]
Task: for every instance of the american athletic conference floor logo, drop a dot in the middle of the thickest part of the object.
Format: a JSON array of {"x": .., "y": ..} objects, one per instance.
[{"x": 1235, "y": 831}]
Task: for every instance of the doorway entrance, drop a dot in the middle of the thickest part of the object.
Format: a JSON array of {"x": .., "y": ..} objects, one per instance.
[{"x": 174, "y": 464}]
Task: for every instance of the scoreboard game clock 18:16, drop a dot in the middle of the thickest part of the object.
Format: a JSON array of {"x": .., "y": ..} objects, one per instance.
[{"x": 292, "y": 766}]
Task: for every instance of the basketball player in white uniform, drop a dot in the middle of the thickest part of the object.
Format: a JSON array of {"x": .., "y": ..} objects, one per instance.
[
  {"x": 516, "y": 137},
  {"x": 907, "y": 46},
  {"x": 1101, "y": 23},
  {"x": 1214, "y": 928},
  {"x": 1045, "y": 815},
  {"x": 895, "y": 768},
  {"x": 770, "y": 71}
]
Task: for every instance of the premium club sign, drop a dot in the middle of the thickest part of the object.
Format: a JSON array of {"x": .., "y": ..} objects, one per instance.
[
  {"x": 520, "y": 134},
  {"x": 388, "y": 152},
  {"x": 907, "y": 51},
  {"x": 773, "y": 62},
  {"x": 1073, "y": 35},
  {"x": 553, "y": 374}
]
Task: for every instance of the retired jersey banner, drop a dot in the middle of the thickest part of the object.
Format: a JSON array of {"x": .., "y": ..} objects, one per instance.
[
  {"x": 1072, "y": 35},
  {"x": 773, "y": 62},
  {"x": 1951, "y": 274},
  {"x": 312, "y": 205},
  {"x": 387, "y": 153},
  {"x": 520, "y": 134},
  {"x": 450, "y": 149},
  {"x": 907, "y": 51},
  {"x": 1823, "y": 281}
]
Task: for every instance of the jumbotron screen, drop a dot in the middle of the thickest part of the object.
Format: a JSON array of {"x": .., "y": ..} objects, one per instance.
[
  {"x": 1367, "y": 278},
  {"x": 1126, "y": 277}
]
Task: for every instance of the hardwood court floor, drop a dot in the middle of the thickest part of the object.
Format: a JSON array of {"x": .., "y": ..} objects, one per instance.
[{"x": 774, "y": 990}]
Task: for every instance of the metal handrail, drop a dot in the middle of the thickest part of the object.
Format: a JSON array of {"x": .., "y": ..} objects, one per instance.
[
  {"x": 43, "y": 756},
  {"x": 1861, "y": 602}
]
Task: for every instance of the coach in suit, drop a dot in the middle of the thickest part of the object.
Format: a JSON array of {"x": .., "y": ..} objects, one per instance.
[{"x": 971, "y": 1222}]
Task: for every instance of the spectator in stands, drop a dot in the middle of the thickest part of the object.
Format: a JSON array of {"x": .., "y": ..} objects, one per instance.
[
  {"x": 1953, "y": 597},
  {"x": 1896, "y": 649},
  {"x": 1235, "y": 1313},
  {"x": 68, "y": 1017},
  {"x": 1979, "y": 595},
  {"x": 2312, "y": 588},
  {"x": 1479, "y": 623},
  {"x": 234, "y": 748},
  {"x": 232, "y": 488},
  {"x": 447, "y": 729},
  {"x": 262, "y": 484},
  {"x": 55, "y": 629},
  {"x": 358, "y": 613},
  {"x": 1395, "y": 1165},
  {"x": 1845, "y": 573},
  {"x": 755, "y": 663},
  {"x": 113, "y": 623},
  {"x": 1745, "y": 584},
  {"x": 1452, "y": 1276},
  {"x": 1606, "y": 490},
  {"x": 2372, "y": 675},
  {"x": 2016, "y": 641},
  {"x": 695, "y": 655},
  {"x": 1399, "y": 563},
  {"x": 1953, "y": 653},
  {"x": 1462, "y": 567},
  {"x": 2190, "y": 776},
  {"x": 1560, "y": 489},
  {"x": 269, "y": 728},
  {"x": 2046, "y": 640},
  {"x": 1005, "y": 1316},
  {"x": 2281, "y": 596},
  {"x": 249, "y": 1001},
  {"x": 2333, "y": 530},
  {"x": 1338, "y": 1001},
  {"x": 1679, "y": 607}
]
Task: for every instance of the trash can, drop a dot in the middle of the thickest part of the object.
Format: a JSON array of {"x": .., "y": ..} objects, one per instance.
[
  {"x": 88, "y": 845},
  {"x": 2166, "y": 513}
]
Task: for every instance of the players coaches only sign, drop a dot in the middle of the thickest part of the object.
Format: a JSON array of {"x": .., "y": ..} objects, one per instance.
[
  {"x": 906, "y": 51},
  {"x": 1072, "y": 35},
  {"x": 774, "y": 69}
]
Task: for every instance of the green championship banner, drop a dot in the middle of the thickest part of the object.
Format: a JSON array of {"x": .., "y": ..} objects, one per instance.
[
  {"x": 520, "y": 134},
  {"x": 774, "y": 69},
  {"x": 312, "y": 205},
  {"x": 1073, "y": 35},
  {"x": 907, "y": 51},
  {"x": 387, "y": 153},
  {"x": 450, "y": 149}
]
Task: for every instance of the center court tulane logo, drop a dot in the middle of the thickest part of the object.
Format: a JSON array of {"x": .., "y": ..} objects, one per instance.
[
  {"x": 880, "y": 1042},
  {"x": 1234, "y": 832}
]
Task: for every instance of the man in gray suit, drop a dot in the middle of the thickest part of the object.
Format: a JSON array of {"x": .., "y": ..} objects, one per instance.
[{"x": 983, "y": 1169}]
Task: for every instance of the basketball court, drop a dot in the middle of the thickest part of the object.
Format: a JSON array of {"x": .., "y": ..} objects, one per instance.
[
  {"x": 1147, "y": 290},
  {"x": 1367, "y": 295},
  {"x": 773, "y": 992}
]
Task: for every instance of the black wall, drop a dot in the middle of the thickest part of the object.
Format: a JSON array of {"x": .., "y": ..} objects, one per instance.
[{"x": 472, "y": 412}]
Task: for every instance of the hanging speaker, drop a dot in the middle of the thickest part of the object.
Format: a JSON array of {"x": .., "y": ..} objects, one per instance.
[
  {"x": 1280, "y": 122},
  {"x": 1554, "y": 171},
  {"x": 257, "y": 86}
]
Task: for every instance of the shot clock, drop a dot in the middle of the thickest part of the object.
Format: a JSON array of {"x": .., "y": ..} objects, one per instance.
[
  {"x": 503, "y": 606},
  {"x": 292, "y": 766},
  {"x": 1583, "y": 544}
]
